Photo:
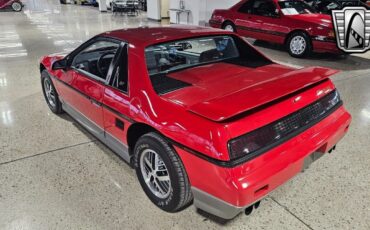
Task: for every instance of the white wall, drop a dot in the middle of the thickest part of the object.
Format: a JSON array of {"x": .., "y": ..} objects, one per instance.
[
  {"x": 201, "y": 10},
  {"x": 154, "y": 9}
]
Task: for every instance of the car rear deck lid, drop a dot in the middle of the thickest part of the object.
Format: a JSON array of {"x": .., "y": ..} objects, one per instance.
[{"x": 228, "y": 106}]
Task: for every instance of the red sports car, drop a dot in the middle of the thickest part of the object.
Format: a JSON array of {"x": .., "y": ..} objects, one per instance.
[
  {"x": 199, "y": 113},
  {"x": 292, "y": 23}
]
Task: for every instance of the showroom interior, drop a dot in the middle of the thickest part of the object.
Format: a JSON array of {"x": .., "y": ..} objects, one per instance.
[{"x": 56, "y": 174}]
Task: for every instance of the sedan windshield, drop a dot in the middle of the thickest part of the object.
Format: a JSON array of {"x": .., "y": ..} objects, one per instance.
[{"x": 295, "y": 7}]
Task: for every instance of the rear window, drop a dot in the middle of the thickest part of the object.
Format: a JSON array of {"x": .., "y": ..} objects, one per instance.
[
  {"x": 181, "y": 54},
  {"x": 165, "y": 58}
]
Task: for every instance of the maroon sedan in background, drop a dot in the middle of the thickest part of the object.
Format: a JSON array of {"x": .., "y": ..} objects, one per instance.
[
  {"x": 289, "y": 22},
  {"x": 16, "y": 5}
]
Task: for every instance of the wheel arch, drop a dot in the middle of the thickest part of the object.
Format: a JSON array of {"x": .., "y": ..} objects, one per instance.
[
  {"x": 227, "y": 21},
  {"x": 297, "y": 31},
  {"x": 42, "y": 67},
  {"x": 135, "y": 131}
]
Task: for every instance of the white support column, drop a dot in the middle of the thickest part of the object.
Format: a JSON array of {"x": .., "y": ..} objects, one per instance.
[
  {"x": 102, "y": 5},
  {"x": 154, "y": 10}
]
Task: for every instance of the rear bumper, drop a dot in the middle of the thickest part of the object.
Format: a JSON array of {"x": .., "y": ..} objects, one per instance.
[{"x": 225, "y": 192}]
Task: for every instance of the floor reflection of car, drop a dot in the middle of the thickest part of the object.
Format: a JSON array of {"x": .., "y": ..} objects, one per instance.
[
  {"x": 290, "y": 22},
  {"x": 200, "y": 114},
  {"x": 125, "y": 6},
  {"x": 326, "y": 6},
  {"x": 87, "y": 2}
]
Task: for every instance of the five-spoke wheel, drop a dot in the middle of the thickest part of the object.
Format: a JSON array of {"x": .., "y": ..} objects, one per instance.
[
  {"x": 161, "y": 173},
  {"x": 155, "y": 173},
  {"x": 50, "y": 94}
]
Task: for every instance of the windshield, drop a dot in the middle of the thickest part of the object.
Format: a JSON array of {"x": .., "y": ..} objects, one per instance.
[
  {"x": 171, "y": 56},
  {"x": 295, "y": 7}
]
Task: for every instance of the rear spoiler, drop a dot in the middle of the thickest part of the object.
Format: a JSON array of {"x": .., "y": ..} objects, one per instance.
[{"x": 226, "y": 107}]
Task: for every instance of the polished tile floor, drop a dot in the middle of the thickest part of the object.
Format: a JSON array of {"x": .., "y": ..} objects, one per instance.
[{"x": 54, "y": 175}]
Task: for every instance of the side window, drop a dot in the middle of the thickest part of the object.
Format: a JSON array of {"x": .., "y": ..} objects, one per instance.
[
  {"x": 96, "y": 59},
  {"x": 119, "y": 79},
  {"x": 264, "y": 8},
  {"x": 247, "y": 7}
]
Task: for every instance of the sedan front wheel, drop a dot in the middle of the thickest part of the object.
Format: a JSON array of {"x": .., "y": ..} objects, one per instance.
[
  {"x": 299, "y": 45},
  {"x": 17, "y": 6}
]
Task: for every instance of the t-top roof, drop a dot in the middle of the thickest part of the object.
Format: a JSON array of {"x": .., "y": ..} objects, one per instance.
[{"x": 145, "y": 36}]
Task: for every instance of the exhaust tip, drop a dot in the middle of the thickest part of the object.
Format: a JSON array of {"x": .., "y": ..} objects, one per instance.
[
  {"x": 257, "y": 204},
  {"x": 248, "y": 210}
]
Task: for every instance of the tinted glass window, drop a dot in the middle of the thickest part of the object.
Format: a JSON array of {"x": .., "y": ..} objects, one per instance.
[
  {"x": 186, "y": 53},
  {"x": 120, "y": 71},
  {"x": 246, "y": 7},
  {"x": 96, "y": 59},
  {"x": 264, "y": 8},
  {"x": 295, "y": 7},
  {"x": 164, "y": 59}
]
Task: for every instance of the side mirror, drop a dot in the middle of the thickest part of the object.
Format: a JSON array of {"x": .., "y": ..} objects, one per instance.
[
  {"x": 61, "y": 64},
  {"x": 277, "y": 13}
]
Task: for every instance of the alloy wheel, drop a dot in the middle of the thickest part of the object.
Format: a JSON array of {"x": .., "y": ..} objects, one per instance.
[
  {"x": 49, "y": 92},
  {"x": 155, "y": 174}
]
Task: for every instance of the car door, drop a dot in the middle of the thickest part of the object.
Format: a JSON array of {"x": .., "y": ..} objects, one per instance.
[
  {"x": 273, "y": 28},
  {"x": 116, "y": 102},
  {"x": 246, "y": 23},
  {"x": 87, "y": 77}
]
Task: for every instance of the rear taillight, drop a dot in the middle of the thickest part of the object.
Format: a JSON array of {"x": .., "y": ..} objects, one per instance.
[{"x": 256, "y": 142}]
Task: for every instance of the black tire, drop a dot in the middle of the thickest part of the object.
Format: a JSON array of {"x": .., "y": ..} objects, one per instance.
[
  {"x": 63, "y": 2},
  {"x": 299, "y": 53},
  {"x": 57, "y": 107},
  {"x": 180, "y": 195},
  {"x": 17, "y": 6},
  {"x": 229, "y": 24}
]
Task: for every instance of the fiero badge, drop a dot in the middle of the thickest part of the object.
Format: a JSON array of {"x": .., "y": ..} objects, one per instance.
[{"x": 352, "y": 29}]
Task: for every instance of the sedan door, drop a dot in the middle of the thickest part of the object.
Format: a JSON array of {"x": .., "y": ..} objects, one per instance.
[
  {"x": 273, "y": 24},
  {"x": 260, "y": 19},
  {"x": 246, "y": 23}
]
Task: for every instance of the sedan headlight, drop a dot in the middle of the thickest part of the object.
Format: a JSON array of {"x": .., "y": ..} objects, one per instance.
[{"x": 260, "y": 140}]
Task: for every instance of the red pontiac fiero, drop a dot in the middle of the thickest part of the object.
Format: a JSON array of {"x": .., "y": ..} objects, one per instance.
[
  {"x": 200, "y": 114},
  {"x": 292, "y": 23}
]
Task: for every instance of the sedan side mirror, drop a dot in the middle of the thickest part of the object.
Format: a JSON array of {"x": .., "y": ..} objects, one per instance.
[{"x": 61, "y": 64}]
